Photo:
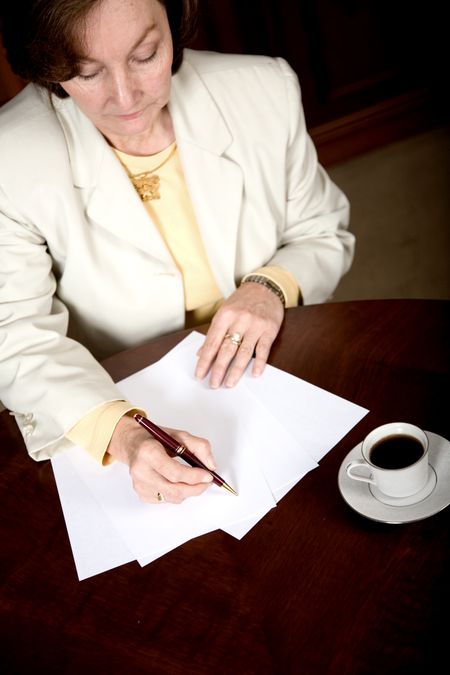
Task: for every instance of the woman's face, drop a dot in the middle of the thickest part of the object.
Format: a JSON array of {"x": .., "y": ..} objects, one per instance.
[{"x": 125, "y": 75}]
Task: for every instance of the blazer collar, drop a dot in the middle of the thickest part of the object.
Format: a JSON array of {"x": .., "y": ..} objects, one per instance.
[
  {"x": 195, "y": 115},
  {"x": 85, "y": 144}
]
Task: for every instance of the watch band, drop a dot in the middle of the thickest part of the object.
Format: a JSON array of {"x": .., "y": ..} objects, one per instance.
[{"x": 268, "y": 283}]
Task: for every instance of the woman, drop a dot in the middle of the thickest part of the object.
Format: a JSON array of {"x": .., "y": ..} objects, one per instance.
[{"x": 144, "y": 188}]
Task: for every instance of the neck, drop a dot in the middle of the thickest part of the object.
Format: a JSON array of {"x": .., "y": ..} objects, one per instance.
[{"x": 150, "y": 141}]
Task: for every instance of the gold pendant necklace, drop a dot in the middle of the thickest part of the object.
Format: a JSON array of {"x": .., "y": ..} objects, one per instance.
[{"x": 147, "y": 183}]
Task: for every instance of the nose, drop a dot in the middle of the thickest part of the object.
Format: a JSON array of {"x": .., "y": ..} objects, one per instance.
[{"x": 123, "y": 90}]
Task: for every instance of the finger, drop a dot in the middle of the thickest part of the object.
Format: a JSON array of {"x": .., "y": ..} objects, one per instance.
[
  {"x": 245, "y": 354},
  {"x": 240, "y": 362},
  {"x": 262, "y": 352},
  {"x": 214, "y": 340},
  {"x": 207, "y": 353},
  {"x": 200, "y": 447},
  {"x": 225, "y": 356},
  {"x": 162, "y": 491},
  {"x": 175, "y": 471},
  {"x": 151, "y": 464}
]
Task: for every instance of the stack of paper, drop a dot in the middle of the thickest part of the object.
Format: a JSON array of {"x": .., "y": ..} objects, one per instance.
[{"x": 266, "y": 434}]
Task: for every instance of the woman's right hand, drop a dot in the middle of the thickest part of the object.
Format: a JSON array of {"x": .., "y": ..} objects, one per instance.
[{"x": 156, "y": 476}]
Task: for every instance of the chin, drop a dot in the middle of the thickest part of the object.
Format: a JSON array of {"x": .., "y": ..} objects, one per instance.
[
  {"x": 130, "y": 128},
  {"x": 137, "y": 125}
]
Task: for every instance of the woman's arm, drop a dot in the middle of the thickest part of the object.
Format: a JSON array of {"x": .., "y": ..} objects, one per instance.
[{"x": 313, "y": 243}]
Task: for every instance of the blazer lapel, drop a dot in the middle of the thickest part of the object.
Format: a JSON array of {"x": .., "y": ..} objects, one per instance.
[
  {"x": 116, "y": 205},
  {"x": 215, "y": 182},
  {"x": 111, "y": 200}
]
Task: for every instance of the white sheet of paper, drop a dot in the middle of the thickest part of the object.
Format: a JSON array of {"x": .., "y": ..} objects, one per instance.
[
  {"x": 316, "y": 418},
  {"x": 96, "y": 545},
  {"x": 266, "y": 434}
]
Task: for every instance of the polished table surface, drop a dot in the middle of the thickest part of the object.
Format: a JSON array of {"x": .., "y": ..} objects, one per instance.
[{"x": 313, "y": 588}]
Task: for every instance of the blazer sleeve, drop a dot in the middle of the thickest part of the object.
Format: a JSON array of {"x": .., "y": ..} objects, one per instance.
[
  {"x": 315, "y": 244},
  {"x": 47, "y": 380}
]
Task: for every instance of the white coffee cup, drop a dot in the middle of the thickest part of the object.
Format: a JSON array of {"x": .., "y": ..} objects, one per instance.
[{"x": 394, "y": 459}]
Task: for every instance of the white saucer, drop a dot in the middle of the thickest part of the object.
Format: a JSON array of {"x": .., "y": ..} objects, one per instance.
[{"x": 432, "y": 499}]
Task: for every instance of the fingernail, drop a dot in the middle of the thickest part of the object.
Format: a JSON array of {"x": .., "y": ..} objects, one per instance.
[{"x": 207, "y": 479}]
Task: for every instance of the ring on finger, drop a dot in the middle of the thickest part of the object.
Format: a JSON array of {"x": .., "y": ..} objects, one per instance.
[
  {"x": 160, "y": 497},
  {"x": 235, "y": 338}
]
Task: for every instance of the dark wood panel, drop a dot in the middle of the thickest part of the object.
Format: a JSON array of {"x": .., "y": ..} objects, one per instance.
[
  {"x": 371, "y": 72},
  {"x": 349, "y": 55},
  {"x": 385, "y": 122}
]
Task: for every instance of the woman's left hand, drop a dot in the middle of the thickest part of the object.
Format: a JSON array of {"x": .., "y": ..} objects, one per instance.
[{"x": 253, "y": 314}]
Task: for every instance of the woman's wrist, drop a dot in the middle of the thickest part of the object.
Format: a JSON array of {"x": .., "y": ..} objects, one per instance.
[{"x": 267, "y": 283}]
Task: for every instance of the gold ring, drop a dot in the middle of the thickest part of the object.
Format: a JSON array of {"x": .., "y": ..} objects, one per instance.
[
  {"x": 235, "y": 338},
  {"x": 160, "y": 497}
]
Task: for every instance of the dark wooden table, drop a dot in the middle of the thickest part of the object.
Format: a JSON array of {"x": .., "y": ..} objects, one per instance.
[{"x": 314, "y": 588}]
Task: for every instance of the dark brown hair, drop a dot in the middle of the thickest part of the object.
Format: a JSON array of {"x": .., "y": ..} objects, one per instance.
[{"x": 42, "y": 45}]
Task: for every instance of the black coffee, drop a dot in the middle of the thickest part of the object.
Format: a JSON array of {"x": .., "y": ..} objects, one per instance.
[{"x": 396, "y": 452}]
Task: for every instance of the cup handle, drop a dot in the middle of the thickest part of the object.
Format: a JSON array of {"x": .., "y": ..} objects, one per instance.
[{"x": 368, "y": 478}]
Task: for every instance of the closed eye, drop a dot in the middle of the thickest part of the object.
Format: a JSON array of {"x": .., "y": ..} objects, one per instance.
[
  {"x": 147, "y": 59},
  {"x": 88, "y": 77}
]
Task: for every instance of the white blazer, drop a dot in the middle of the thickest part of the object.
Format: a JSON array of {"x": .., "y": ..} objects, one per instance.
[{"x": 83, "y": 271}]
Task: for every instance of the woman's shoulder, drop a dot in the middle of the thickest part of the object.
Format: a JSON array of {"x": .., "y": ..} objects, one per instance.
[
  {"x": 208, "y": 61},
  {"x": 32, "y": 140},
  {"x": 29, "y": 106},
  {"x": 238, "y": 75},
  {"x": 28, "y": 119},
  {"x": 239, "y": 69}
]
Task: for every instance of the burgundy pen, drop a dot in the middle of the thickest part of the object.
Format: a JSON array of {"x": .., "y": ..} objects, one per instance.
[{"x": 181, "y": 450}]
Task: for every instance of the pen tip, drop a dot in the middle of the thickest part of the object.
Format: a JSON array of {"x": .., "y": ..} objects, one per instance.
[{"x": 230, "y": 489}]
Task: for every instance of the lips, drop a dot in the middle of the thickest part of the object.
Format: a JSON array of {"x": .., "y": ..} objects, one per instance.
[{"x": 130, "y": 116}]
